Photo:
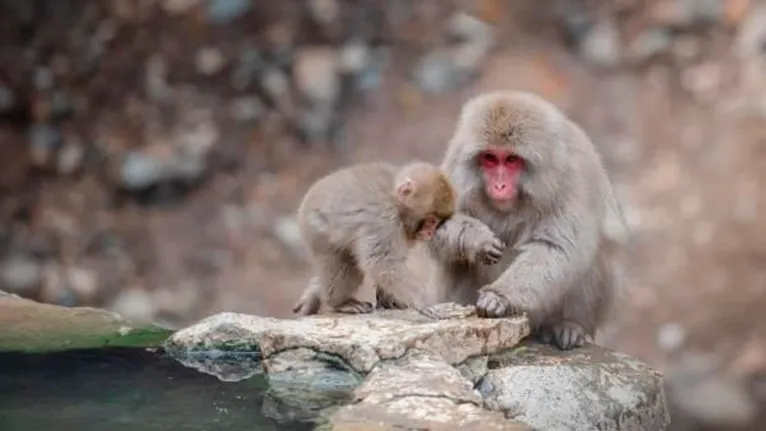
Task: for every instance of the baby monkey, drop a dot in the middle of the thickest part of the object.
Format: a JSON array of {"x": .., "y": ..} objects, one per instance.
[{"x": 361, "y": 221}]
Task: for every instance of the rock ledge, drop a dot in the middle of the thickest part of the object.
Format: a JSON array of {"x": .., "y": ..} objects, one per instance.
[{"x": 400, "y": 369}]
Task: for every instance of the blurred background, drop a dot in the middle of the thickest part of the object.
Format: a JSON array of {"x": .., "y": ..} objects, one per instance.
[{"x": 152, "y": 152}]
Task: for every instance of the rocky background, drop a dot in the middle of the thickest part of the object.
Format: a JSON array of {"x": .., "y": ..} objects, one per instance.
[{"x": 152, "y": 152}]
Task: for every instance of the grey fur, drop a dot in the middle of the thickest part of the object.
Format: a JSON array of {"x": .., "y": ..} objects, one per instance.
[
  {"x": 354, "y": 227},
  {"x": 559, "y": 266}
]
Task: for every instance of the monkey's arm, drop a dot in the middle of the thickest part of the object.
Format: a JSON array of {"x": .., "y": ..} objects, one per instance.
[
  {"x": 462, "y": 238},
  {"x": 557, "y": 253}
]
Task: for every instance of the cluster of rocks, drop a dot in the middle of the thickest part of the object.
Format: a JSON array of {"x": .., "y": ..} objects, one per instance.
[
  {"x": 99, "y": 81},
  {"x": 126, "y": 96},
  {"x": 401, "y": 370}
]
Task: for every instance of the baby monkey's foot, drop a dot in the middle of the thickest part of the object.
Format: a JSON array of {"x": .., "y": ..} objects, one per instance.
[
  {"x": 565, "y": 335},
  {"x": 354, "y": 306}
]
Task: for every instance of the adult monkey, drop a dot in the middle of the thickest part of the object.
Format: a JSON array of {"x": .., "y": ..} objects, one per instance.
[{"x": 531, "y": 178}]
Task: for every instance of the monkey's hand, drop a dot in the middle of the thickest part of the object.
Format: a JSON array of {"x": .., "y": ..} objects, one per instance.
[
  {"x": 492, "y": 303},
  {"x": 480, "y": 244}
]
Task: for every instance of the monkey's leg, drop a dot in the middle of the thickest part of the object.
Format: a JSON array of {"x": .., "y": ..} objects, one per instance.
[
  {"x": 311, "y": 300},
  {"x": 342, "y": 279},
  {"x": 384, "y": 262},
  {"x": 583, "y": 309}
]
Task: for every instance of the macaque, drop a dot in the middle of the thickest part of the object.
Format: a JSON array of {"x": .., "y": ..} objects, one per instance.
[
  {"x": 361, "y": 221},
  {"x": 529, "y": 177}
]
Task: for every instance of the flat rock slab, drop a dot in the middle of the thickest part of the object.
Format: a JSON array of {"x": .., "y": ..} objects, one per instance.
[
  {"x": 29, "y": 326},
  {"x": 586, "y": 388},
  {"x": 362, "y": 340},
  {"x": 418, "y": 392}
]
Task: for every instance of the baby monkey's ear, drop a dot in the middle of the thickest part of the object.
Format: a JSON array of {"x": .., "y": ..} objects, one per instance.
[{"x": 405, "y": 189}]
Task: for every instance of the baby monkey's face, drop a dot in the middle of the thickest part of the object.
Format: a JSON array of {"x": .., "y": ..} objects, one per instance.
[{"x": 427, "y": 227}]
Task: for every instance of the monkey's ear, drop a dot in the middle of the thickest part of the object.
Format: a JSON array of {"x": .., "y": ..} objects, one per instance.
[{"x": 405, "y": 189}]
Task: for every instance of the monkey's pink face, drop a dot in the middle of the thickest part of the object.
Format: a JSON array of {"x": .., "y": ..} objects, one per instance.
[{"x": 501, "y": 170}]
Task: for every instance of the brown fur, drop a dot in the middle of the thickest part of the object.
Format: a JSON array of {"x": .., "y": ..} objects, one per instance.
[
  {"x": 361, "y": 222},
  {"x": 560, "y": 265}
]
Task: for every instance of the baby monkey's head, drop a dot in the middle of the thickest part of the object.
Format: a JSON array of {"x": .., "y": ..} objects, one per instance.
[{"x": 425, "y": 196}]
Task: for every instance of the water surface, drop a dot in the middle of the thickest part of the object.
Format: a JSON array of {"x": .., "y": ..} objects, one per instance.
[{"x": 124, "y": 389}]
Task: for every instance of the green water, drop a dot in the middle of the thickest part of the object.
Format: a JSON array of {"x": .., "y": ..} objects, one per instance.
[{"x": 124, "y": 389}]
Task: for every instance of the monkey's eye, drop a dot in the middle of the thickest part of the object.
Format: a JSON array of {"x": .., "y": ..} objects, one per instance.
[
  {"x": 488, "y": 160},
  {"x": 512, "y": 159}
]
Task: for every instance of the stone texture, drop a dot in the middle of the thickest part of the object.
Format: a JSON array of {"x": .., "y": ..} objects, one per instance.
[
  {"x": 441, "y": 368},
  {"x": 418, "y": 392},
  {"x": 589, "y": 388},
  {"x": 361, "y": 340}
]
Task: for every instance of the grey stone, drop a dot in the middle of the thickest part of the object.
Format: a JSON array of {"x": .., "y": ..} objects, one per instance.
[
  {"x": 751, "y": 40},
  {"x": 223, "y": 11},
  {"x": 277, "y": 87},
  {"x": 287, "y": 231},
  {"x": 140, "y": 171},
  {"x": 70, "y": 157},
  {"x": 303, "y": 382},
  {"x": 179, "y": 6},
  {"x": 648, "y": 44},
  {"x": 360, "y": 340},
  {"x": 44, "y": 141},
  {"x": 248, "y": 65},
  {"x": 209, "y": 61},
  {"x": 689, "y": 12},
  {"x": 247, "y": 108},
  {"x": 7, "y": 99},
  {"x": 20, "y": 275},
  {"x": 436, "y": 72},
  {"x": 474, "y": 369},
  {"x": 315, "y": 72},
  {"x": 671, "y": 336},
  {"x": 468, "y": 27},
  {"x": 61, "y": 104},
  {"x": 226, "y": 366},
  {"x": 324, "y": 12},
  {"x": 44, "y": 78},
  {"x": 419, "y": 391},
  {"x": 134, "y": 304},
  {"x": 355, "y": 56},
  {"x": 156, "y": 70},
  {"x": 316, "y": 123},
  {"x": 586, "y": 388},
  {"x": 702, "y": 393},
  {"x": 601, "y": 44}
]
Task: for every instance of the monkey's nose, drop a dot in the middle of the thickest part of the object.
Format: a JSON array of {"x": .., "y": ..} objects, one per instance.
[{"x": 499, "y": 186}]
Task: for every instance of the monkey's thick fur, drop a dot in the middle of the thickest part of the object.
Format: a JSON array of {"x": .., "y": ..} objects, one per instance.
[
  {"x": 361, "y": 221},
  {"x": 562, "y": 232}
]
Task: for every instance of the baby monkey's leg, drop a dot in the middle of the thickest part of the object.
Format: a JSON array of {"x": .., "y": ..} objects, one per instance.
[{"x": 342, "y": 279}]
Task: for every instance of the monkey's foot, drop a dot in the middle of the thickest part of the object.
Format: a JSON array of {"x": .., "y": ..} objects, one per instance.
[
  {"x": 491, "y": 304},
  {"x": 306, "y": 307},
  {"x": 386, "y": 300},
  {"x": 354, "y": 306},
  {"x": 565, "y": 335}
]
